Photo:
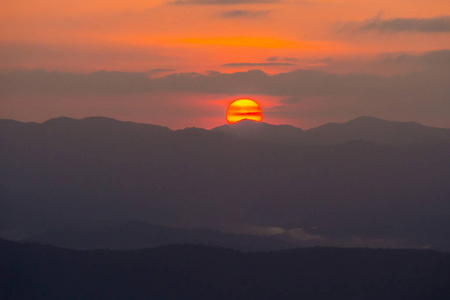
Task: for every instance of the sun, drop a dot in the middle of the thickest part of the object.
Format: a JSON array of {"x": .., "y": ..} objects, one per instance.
[{"x": 244, "y": 109}]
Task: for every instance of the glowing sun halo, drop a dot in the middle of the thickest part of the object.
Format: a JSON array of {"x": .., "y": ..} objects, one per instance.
[{"x": 244, "y": 109}]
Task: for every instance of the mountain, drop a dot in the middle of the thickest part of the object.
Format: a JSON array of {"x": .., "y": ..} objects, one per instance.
[
  {"x": 364, "y": 129},
  {"x": 377, "y": 131},
  {"x": 198, "y": 272},
  {"x": 260, "y": 131},
  {"x": 67, "y": 173},
  {"x": 138, "y": 235}
]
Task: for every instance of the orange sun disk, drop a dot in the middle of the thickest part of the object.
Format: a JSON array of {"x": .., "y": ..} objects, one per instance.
[{"x": 244, "y": 109}]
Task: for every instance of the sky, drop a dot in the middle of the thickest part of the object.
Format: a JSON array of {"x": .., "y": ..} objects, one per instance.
[{"x": 180, "y": 63}]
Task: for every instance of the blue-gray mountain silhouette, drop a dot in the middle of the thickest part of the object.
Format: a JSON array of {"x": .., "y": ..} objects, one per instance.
[
  {"x": 260, "y": 131},
  {"x": 139, "y": 235},
  {"x": 335, "y": 186},
  {"x": 367, "y": 129}
]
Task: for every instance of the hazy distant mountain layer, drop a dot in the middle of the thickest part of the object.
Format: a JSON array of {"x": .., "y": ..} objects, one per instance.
[
  {"x": 138, "y": 235},
  {"x": 367, "y": 129},
  {"x": 198, "y": 272},
  {"x": 337, "y": 185}
]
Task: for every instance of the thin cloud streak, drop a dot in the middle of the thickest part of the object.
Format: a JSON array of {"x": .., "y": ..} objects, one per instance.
[
  {"x": 257, "y": 64},
  {"x": 239, "y": 13},
  {"x": 424, "y": 25},
  {"x": 278, "y": 58},
  {"x": 220, "y": 2}
]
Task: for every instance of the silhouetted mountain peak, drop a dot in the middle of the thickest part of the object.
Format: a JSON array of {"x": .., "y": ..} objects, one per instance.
[
  {"x": 367, "y": 119},
  {"x": 193, "y": 130},
  {"x": 9, "y": 124},
  {"x": 60, "y": 121},
  {"x": 378, "y": 131},
  {"x": 249, "y": 123},
  {"x": 104, "y": 124},
  {"x": 261, "y": 131},
  {"x": 373, "y": 121},
  {"x": 103, "y": 120}
]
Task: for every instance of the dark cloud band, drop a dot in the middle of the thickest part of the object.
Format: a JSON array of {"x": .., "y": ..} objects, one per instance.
[
  {"x": 294, "y": 85},
  {"x": 219, "y": 2},
  {"x": 257, "y": 64},
  {"x": 436, "y": 24},
  {"x": 239, "y": 13}
]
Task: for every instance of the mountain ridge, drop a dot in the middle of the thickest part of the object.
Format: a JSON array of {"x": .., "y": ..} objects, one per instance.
[
  {"x": 139, "y": 235},
  {"x": 377, "y": 130},
  {"x": 357, "y": 119},
  {"x": 32, "y": 271},
  {"x": 350, "y": 192},
  {"x": 365, "y": 128}
]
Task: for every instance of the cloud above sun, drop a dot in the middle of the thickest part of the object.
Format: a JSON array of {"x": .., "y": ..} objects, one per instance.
[
  {"x": 301, "y": 81},
  {"x": 241, "y": 13},
  {"x": 419, "y": 95},
  {"x": 437, "y": 24},
  {"x": 265, "y": 64},
  {"x": 220, "y": 2}
]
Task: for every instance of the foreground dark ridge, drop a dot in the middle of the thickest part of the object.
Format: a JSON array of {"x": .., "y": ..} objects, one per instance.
[{"x": 199, "y": 272}]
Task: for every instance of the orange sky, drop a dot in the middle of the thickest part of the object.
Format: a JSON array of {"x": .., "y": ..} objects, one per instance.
[
  {"x": 139, "y": 35},
  {"x": 197, "y": 36}
]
